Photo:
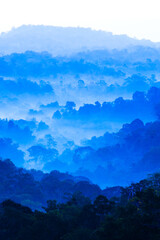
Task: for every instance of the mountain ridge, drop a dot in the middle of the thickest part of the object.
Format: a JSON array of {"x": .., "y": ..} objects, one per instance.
[{"x": 60, "y": 41}]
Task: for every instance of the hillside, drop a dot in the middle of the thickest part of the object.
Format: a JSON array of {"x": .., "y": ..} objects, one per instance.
[
  {"x": 63, "y": 41},
  {"x": 135, "y": 215},
  {"x": 33, "y": 188}
]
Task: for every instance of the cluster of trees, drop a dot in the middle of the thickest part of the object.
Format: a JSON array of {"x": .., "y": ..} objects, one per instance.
[
  {"x": 133, "y": 216},
  {"x": 32, "y": 64},
  {"x": 117, "y": 65},
  {"x": 8, "y": 149},
  {"x": 122, "y": 157},
  {"x": 33, "y": 188},
  {"x": 43, "y": 65},
  {"x": 114, "y": 158},
  {"x": 117, "y": 158},
  {"x": 139, "y": 58},
  {"x": 142, "y": 105},
  {"x": 23, "y": 86},
  {"x": 10, "y": 129}
]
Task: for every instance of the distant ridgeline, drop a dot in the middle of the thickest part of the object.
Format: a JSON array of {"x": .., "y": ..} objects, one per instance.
[{"x": 61, "y": 41}]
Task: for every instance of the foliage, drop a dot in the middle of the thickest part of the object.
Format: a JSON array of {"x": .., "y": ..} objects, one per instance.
[{"x": 138, "y": 217}]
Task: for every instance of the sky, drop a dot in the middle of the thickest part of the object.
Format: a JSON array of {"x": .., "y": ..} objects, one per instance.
[{"x": 136, "y": 18}]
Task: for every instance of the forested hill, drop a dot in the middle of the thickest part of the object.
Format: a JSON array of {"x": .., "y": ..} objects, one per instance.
[
  {"x": 63, "y": 41},
  {"x": 136, "y": 215},
  {"x": 33, "y": 188}
]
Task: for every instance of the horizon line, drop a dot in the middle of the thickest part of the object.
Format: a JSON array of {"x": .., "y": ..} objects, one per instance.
[{"x": 77, "y": 27}]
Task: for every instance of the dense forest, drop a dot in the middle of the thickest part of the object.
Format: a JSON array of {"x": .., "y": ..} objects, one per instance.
[
  {"x": 33, "y": 188},
  {"x": 135, "y": 215},
  {"x": 79, "y": 135}
]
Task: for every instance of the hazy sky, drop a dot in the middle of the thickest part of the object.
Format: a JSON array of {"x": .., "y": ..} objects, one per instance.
[{"x": 136, "y": 18}]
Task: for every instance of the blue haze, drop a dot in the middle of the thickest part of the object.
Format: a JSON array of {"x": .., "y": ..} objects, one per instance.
[{"x": 91, "y": 108}]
